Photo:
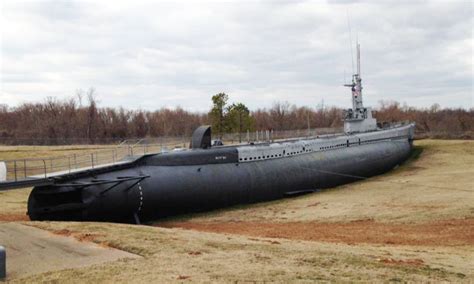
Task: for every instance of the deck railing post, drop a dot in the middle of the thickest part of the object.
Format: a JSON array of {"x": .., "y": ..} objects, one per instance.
[
  {"x": 45, "y": 170},
  {"x": 14, "y": 169}
]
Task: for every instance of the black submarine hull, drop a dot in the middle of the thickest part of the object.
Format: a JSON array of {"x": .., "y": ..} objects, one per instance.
[{"x": 168, "y": 188}]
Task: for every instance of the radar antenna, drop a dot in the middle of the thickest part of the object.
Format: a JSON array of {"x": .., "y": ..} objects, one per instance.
[
  {"x": 359, "y": 118},
  {"x": 356, "y": 85}
]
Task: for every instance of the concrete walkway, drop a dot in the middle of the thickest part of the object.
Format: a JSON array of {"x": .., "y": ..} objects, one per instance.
[{"x": 31, "y": 251}]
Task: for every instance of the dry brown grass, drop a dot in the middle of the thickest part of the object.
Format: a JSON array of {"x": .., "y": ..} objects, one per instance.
[
  {"x": 171, "y": 254},
  {"x": 435, "y": 187},
  {"x": 13, "y": 203},
  {"x": 29, "y": 152}
]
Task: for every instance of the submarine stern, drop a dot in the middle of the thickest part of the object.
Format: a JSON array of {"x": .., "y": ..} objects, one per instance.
[{"x": 117, "y": 199}]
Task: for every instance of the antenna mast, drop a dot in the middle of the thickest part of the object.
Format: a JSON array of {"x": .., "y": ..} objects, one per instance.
[
  {"x": 350, "y": 38},
  {"x": 358, "y": 118},
  {"x": 358, "y": 59},
  {"x": 356, "y": 86}
]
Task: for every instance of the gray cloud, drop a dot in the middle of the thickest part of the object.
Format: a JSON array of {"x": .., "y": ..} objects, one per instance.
[{"x": 151, "y": 54}]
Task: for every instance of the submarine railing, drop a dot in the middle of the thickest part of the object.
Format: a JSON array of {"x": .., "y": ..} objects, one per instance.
[
  {"x": 268, "y": 135},
  {"x": 31, "y": 169},
  {"x": 16, "y": 171}
]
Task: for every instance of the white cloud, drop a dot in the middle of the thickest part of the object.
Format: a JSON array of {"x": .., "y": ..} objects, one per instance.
[{"x": 151, "y": 54}]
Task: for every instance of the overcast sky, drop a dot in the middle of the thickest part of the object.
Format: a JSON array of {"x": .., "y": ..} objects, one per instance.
[{"x": 153, "y": 54}]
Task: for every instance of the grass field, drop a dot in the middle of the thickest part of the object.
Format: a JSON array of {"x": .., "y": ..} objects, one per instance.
[
  {"x": 415, "y": 223},
  {"x": 29, "y": 152}
]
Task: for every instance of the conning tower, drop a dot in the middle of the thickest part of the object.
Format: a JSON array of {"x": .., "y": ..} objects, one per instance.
[{"x": 358, "y": 118}]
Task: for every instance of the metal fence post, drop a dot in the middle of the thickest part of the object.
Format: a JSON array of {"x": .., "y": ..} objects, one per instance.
[
  {"x": 14, "y": 169},
  {"x": 45, "y": 170},
  {"x": 3, "y": 263},
  {"x": 24, "y": 167}
]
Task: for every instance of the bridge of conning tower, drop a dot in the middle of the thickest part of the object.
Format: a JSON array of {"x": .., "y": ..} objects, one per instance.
[{"x": 358, "y": 118}]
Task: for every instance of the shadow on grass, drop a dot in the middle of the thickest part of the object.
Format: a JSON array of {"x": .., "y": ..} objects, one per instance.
[
  {"x": 408, "y": 164},
  {"x": 415, "y": 154}
]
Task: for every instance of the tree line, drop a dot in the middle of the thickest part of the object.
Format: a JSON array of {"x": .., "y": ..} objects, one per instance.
[{"x": 79, "y": 120}]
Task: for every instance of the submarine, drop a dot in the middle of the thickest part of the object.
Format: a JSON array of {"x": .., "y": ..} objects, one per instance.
[{"x": 206, "y": 177}]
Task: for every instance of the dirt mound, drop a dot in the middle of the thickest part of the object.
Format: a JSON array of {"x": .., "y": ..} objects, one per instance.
[
  {"x": 82, "y": 237},
  {"x": 13, "y": 217},
  {"x": 440, "y": 233}
]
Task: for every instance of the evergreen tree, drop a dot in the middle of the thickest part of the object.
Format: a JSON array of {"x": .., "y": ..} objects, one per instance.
[
  {"x": 238, "y": 118},
  {"x": 217, "y": 113}
]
